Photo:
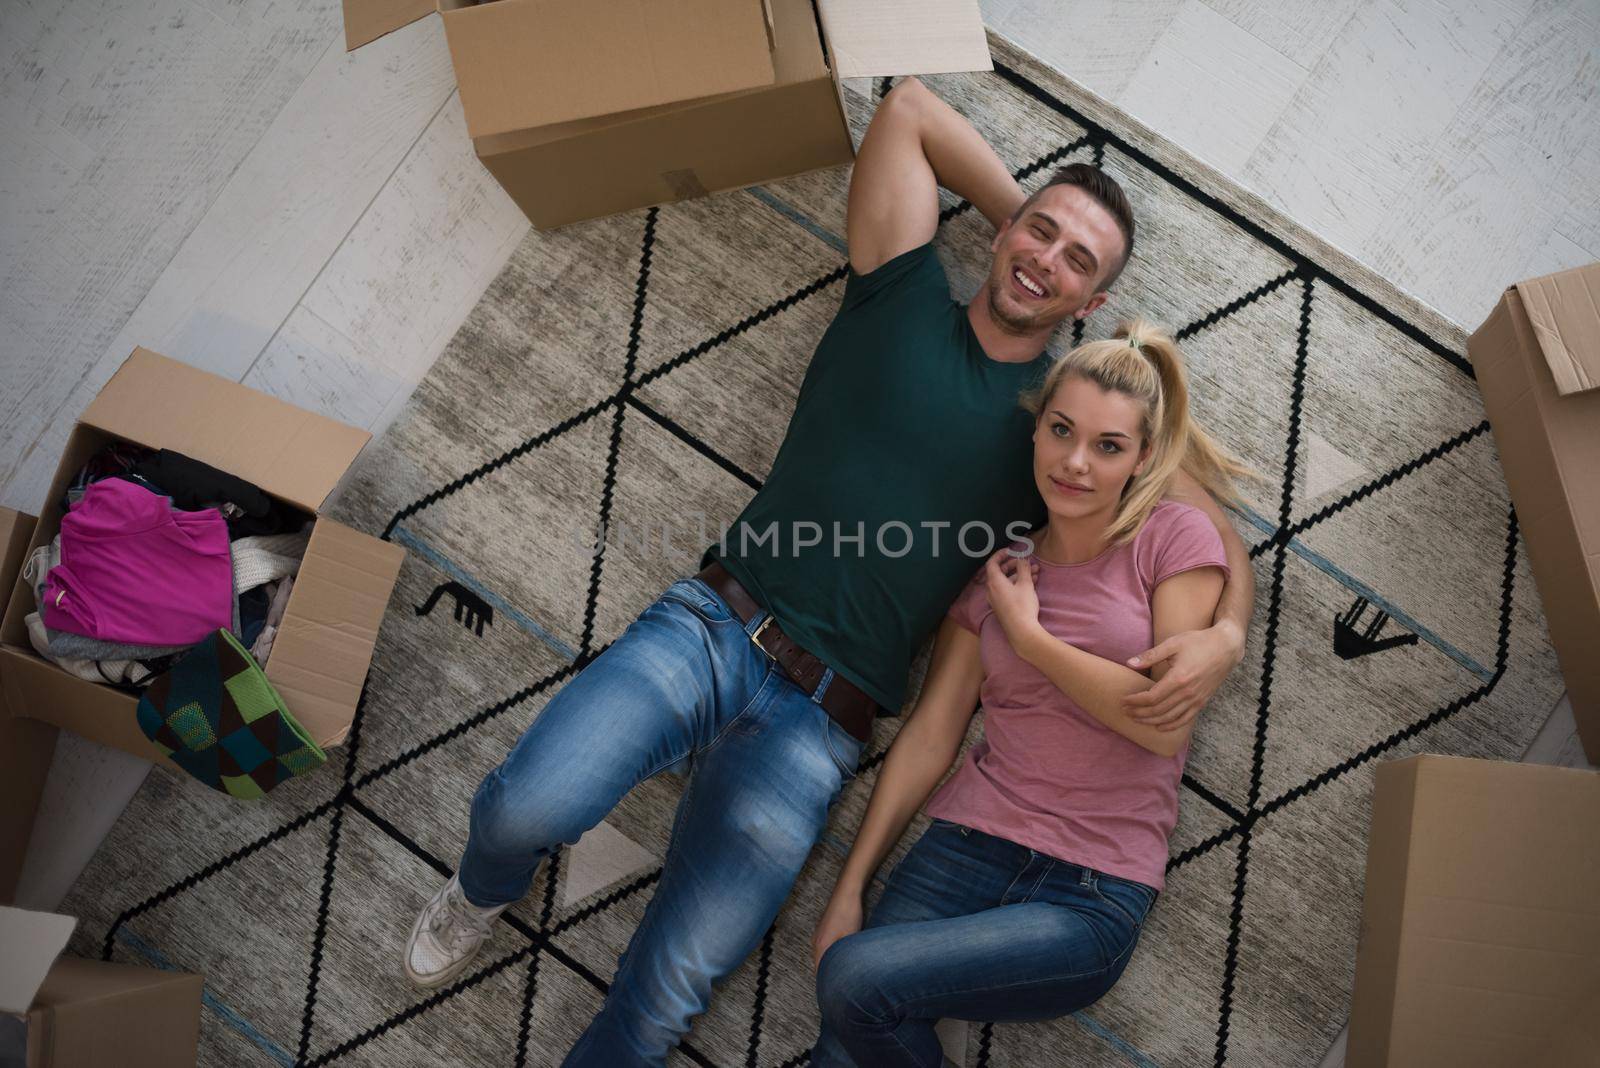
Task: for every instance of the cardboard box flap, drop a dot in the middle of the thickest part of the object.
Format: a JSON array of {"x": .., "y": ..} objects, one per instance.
[
  {"x": 796, "y": 57},
  {"x": 1480, "y": 928},
  {"x": 1564, "y": 309},
  {"x": 95, "y": 1013},
  {"x": 887, "y": 37},
  {"x": 320, "y": 657},
  {"x": 76, "y": 984},
  {"x": 367, "y": 20},
  {"x": 528, "y": 63},
  {"x": 286, "y": 451},
  {"x": 42, "y": 692},
  {"x": 32, "y": 941},
  {"x": 16, "y": 532}
]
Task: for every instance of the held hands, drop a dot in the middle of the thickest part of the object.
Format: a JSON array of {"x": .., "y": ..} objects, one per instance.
[
  {"x": 1200, "y": 660},
  {"x": 1009, "y": 580},
  {"x": 842, "y": 917}
]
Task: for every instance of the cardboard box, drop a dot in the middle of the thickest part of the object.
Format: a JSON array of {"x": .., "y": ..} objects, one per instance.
[
  {"x": 583, "y": 110},
  {"x": 1480, "y": 925},
  {"x": 63, "y": 1012},
  {"x": 324, "y": 645},
  {"x": 1537, "y": 360},
  {"x": 26, "y": 745}
]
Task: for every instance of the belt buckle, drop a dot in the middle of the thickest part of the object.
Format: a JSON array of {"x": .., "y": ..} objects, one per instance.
[{"x": 756, "y": 635}]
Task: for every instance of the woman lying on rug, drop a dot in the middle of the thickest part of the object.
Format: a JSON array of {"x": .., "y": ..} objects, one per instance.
[{"x": 1024, "y": 899}]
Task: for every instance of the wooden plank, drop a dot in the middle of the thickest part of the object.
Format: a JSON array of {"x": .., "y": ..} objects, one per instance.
[
  {"x": 398, "y": 288},
  {"x": 1352, "y": 139},
  {"x": 1488, "y": 199},
  {"x": 1211, "y": 87},
  {"x": 39, "y": 162},
  {"x": 170, "y": 98},
  {"x": 276, "y": 222},
  {"x": 88, "y": 65},
  {"x": 291, "y": 204},
  {"x": 1299, "y": 30},
  {"x": 1099, "y": 46},
  {"x": 1557, "y": 254}
]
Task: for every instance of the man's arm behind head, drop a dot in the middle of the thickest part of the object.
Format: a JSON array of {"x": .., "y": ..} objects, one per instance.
[{"x": 915, "y": 143}]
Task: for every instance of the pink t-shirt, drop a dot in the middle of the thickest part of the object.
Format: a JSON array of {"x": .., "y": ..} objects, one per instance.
[
  {"x": 1047, "y": 774},
  {"x": 134, "y": 569}
]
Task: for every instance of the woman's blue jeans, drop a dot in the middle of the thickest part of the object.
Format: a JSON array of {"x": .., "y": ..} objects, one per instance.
[
  {"x": 972, "y": 927},
  {"x": 684, "y": 684}
]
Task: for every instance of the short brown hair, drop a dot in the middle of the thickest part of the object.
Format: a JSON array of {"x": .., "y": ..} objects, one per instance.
[{"x": 1105, "y": 191}]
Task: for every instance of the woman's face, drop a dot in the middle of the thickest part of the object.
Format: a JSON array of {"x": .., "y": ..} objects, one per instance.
[{"x": 1086, "y": 446}]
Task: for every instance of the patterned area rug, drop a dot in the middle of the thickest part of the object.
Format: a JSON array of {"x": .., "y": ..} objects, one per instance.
[{"x": 642, "y": 368}]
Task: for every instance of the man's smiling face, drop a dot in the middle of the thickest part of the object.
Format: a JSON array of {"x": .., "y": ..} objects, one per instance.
[{"x": 1049, "y": 261}]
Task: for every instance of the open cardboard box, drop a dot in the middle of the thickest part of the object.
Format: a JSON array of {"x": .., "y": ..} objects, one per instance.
[
  {"x": 582, "y": 109},
  {"x": 66, "y": 1012},
  {"x": 1537, "y": 361},
  {"x": 320, "y": 657},
  {"x": 1480, "y": 924},
  {"x": 26, "y": 745}
]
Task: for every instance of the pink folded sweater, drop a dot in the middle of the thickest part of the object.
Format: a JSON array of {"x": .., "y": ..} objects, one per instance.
[{"x": 134, "y": 569}]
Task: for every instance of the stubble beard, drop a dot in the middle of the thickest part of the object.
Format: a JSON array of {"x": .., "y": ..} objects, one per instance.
[{"x": 1008, "y": 322}]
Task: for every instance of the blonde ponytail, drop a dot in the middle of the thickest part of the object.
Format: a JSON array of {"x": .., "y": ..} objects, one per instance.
[{"x": 1143, "y": 361}]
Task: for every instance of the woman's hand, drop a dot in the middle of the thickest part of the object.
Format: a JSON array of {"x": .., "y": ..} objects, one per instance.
[
  {"x": 842, "y": 917},
  {"x": 1009, "y": 580}
]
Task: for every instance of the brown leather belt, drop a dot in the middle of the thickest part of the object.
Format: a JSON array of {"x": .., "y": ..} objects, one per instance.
[{"x": 843, "y": 700}]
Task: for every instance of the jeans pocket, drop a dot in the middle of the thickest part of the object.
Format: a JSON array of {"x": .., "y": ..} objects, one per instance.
[
  {"x": 1132, "y": 900},
  {"x": 699, "y": 598},
  {"x": 843, "y": 747}
]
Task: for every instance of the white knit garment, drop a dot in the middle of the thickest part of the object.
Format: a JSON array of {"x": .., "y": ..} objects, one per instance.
[{"x": 261, "y": 558}]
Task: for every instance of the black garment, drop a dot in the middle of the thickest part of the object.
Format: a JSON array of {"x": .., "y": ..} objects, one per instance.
[
  {"x": 116, "y": 460},
  {"x": 193, "y": 485},
  {"x": 253, "y": 607}
]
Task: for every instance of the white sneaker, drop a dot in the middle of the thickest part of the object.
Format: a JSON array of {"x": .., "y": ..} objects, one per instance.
[{"x": 447, "y": 936}]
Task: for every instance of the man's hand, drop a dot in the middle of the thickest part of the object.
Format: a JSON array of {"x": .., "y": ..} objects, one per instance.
[
  {"x": 1198, "y": 662},
  {"x": 842, "y": 917}
]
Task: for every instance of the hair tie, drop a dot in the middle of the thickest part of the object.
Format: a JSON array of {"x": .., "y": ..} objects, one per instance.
[{"x": 1133, "y": 343}]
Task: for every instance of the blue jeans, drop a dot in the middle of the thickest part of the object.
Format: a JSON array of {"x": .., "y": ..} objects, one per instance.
[
  {"x": 972, "y": 927},
  {"x": 683, "y": 684}
]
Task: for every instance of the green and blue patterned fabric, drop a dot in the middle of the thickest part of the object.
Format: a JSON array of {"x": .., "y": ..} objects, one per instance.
[{"x": 217, "y": 717}]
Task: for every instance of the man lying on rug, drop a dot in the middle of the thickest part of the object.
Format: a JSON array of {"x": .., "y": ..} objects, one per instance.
[
  {"x": 1025, "y": 898},
  {"x": 764, "y": 671}
]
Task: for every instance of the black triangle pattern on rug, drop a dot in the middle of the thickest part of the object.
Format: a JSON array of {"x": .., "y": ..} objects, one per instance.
[{"x": 534, "y": 952}]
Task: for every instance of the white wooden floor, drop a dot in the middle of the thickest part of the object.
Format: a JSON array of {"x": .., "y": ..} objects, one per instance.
[{"x": 219, "y": 181}]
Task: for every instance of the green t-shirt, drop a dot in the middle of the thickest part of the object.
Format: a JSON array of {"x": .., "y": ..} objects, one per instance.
[{"x": 904, "y": 432}]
